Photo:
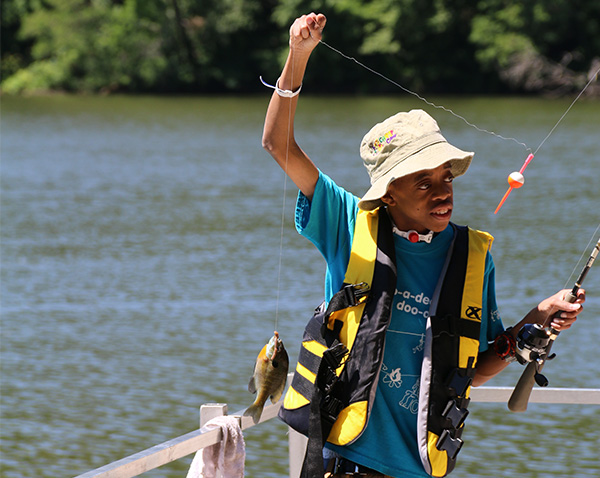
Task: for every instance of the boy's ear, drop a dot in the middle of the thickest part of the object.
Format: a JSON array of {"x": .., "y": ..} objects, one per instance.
[{"x": 388, "y": 200}]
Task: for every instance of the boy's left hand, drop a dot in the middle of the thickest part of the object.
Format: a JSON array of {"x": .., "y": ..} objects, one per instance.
[{"x": 549, "y": 307}]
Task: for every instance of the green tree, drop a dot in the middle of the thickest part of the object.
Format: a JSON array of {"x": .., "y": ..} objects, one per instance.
[
  {"x": 81, "y": 45},
  {"x": 421, "y": 44},
  {"x": 137, "y": 45},
  {"x": 14, "y": 51},
  {"x": 445, "y": 46},
  {"x": 542, "y": 45},
  {"x": 234, "y": 41}
]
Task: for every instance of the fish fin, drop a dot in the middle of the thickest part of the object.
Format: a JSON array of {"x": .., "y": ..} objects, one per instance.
[
  {"x": 252, "y": 385},
  {"x": 254, "y": 411}
]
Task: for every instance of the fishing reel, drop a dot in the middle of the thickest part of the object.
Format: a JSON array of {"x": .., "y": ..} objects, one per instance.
[
  {"x": 532, "y": 341},
  {"x": 532, "y": 346}
]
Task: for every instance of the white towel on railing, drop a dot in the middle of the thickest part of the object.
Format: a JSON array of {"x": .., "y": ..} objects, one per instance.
[{"x": 227, "y": 456}]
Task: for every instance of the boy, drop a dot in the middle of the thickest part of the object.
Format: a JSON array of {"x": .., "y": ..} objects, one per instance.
[{"x": 411, "y": 167}]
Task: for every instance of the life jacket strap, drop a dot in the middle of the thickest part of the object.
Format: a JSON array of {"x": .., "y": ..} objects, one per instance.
[
  {"x": 350, "y": 295},
  {"x": 324, "y": 408}
]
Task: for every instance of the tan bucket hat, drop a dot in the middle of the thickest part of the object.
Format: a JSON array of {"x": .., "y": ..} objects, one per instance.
[{"x": 404, "y": 144}]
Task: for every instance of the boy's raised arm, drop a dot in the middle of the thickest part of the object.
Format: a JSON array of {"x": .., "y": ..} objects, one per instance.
[{"x": 278, "y": 134}]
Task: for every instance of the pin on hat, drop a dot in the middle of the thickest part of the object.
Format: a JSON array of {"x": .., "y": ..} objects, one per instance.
[{"x": 404, "y": 144}]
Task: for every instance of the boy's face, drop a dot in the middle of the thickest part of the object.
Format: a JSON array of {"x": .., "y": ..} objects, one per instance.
[{"x": 421, "y": 201}]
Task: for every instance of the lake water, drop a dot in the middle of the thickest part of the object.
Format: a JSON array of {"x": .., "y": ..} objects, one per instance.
[{"x": 141, "y": 272}]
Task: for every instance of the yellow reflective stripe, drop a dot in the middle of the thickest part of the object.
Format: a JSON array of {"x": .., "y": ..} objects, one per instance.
[
  {"x": 314, "y": 347},
  {"x": 437, "y": 458},
  {"x": 307, "y": 374},
  {"x": 479, "y": 244},
  {"x": 294, "y": 399},
  {"x": 349, "y": 424}
]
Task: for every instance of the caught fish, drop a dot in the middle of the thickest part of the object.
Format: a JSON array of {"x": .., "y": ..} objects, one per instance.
[{"x": 270, "y": 374}]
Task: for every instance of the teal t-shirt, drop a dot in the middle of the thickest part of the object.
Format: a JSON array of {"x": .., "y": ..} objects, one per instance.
[{"x": 389, "y": 442}]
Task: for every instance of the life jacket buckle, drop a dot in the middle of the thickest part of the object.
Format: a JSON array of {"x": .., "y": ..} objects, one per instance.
[
  {"x": 454, "y": 415},
  {"x": 332, "y": 359},
  {"x": 327, "y": 380},
  {"x": 459, "y": 383},
  {"x": 330, "y": 408},
  {"x": 354, "y": 292},
  {"x": 449, "y": 444}
]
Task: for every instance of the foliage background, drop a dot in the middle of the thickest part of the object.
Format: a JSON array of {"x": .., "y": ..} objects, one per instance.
[{"x": 206, "y": 46}]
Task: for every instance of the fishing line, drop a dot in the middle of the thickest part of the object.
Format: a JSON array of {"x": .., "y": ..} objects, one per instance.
[
  {"x": 592, "y": 78},
  {"x": 582, "y": 256},
  {"x": 280, "y": 247},
  {"x": 440, "y": 107},
  {"x": 448, "y": 110},
  {"x": 287, "y": 153}
]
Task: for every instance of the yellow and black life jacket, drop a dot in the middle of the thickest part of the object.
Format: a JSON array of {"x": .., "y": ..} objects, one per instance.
[
  {"x": 451, "y": 350},
  {"x": 333, "y": 389}
]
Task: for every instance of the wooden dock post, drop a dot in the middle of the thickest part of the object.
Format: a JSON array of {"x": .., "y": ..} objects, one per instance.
[
  {"x": 297, "y": 449},
  {"x": 208, "y": 411}
]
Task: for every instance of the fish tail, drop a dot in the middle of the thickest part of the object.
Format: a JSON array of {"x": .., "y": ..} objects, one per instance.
[{"x": 254, "y": 411}]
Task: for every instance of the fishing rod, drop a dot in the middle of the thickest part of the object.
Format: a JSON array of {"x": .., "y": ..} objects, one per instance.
[{"x": 534, "y": 343}]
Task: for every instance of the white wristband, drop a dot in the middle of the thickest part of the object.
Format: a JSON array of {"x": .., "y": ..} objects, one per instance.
[{"x": 280, "y": 92}]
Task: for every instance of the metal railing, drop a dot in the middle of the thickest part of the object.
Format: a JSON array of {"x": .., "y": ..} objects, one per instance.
[
  {"x": 189, "y": 443},
  {"x": 179, "y": 447}
]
